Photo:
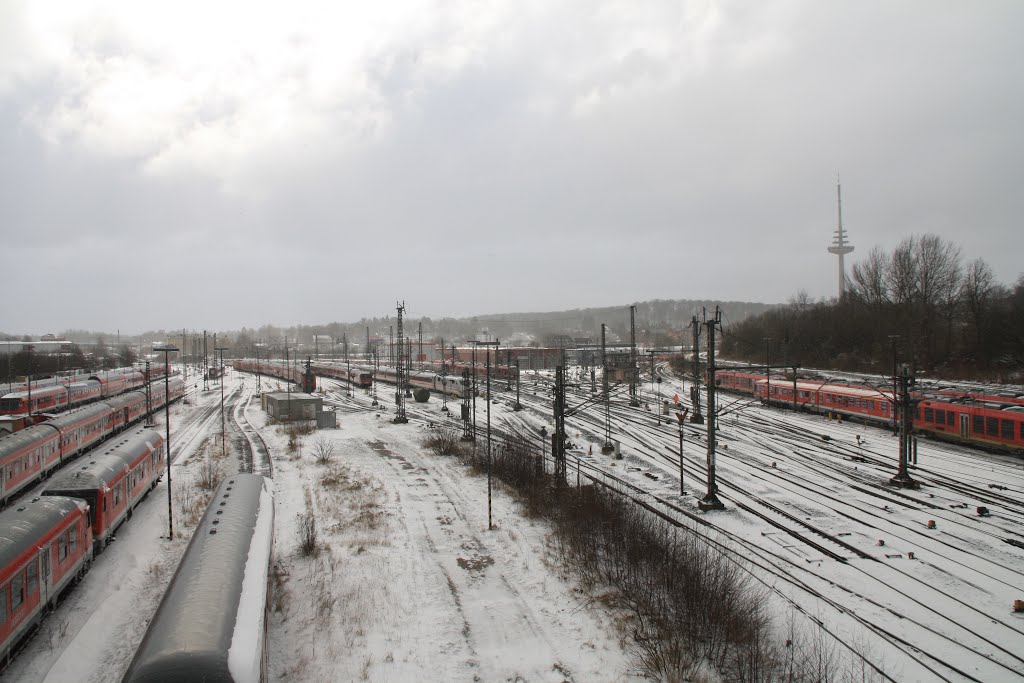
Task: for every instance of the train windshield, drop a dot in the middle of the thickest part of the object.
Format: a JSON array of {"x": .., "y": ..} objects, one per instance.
[{"x": 8, "y": 404}]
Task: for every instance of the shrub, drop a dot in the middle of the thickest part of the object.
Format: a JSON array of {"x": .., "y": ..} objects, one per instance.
[
  {"x": 323, "y": 450},
  {"x": 444, "y": 440},
  {"x": 307, "y": 534}
]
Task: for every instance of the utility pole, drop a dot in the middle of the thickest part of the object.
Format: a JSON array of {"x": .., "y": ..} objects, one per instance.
[
  {"x": 696, "y": 417},
  {"x": 206, "y": 365},
  {"x": 223, "y": 420},
  {"x": 402, "y": 384},
  {"x": 768, "y": 370},
  {"x": 444, "y": 382},
  {"x": 467, "y": 429},
  {"x": 710, "y": 501},
  {"x": 489, "y": 344},
  {"x": 794, "y": 389},
  {"x": 419, "y": 334},
  {"x": 149, "y": 398},
  {"x": 558, "y": 438},
  {"x": 473, "y": 368},
  {"x": 633, "y": 400},
  {"x": 373, "y": 382},
  {"x": 607, "y": 447},
  {"x": 348, "y": 366},
  {"x": 893, "y": 338},
  {"x": 518, "y": 406},
  {"x": 168, "y": 348},
  {"x": 408, "y": 366},
  {"x": 903, "y": 478},
  {"x": 28, "y": 349}
]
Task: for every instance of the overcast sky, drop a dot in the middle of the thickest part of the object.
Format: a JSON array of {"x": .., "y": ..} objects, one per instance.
[{"x": 227, "y": 164}]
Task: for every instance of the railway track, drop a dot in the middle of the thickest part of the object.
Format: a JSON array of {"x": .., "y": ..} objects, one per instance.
[{"x": 747, "y": 449}]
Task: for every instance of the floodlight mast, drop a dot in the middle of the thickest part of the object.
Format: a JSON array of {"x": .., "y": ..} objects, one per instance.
[{"x": 167, "y": 349}]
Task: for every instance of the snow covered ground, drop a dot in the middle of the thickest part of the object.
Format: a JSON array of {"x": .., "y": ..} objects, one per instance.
[{"x": 410, "y": 584}]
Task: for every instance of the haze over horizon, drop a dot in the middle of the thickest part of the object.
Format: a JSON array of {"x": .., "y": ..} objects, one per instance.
[{"x": 234, "y": 165}]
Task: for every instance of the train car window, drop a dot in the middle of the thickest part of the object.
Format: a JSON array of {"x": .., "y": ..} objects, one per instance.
[
  {"x": 17, "y": 590},
  {"x": 3, "y": 605},
  {"x": 992, "y": 426},
  {"x": 62, "y": 548},
  {"x": 978, "y": 424},
  {"x": 33, "y": 576},
  {"x": 950, "y": 418},
  {"x": 1022, "y": 431},
  {"x": 1006, "y": 429},
  {"x": 73, "y": 538},
  {"x": 940, "y": 417},
  {"x": 929, "y": 415}
]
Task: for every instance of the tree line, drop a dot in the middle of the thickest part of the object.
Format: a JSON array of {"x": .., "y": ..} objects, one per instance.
[{"x": 920, "y": 304}]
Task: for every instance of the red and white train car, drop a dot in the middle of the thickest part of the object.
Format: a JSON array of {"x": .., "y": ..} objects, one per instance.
[
  {"x": 357, "y": 376},
  {"x": 46, "y": 544},
  {"x": 30, "y": 454},
  {"x": 115, "y": 481},
  {"x": 986, "y": 423},
  {"x": 273, "y": 368},
  {"x": 828, "y": 398}
]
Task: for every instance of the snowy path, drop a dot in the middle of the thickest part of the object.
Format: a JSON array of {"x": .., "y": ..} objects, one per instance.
[{"x": 422, "y": 589}]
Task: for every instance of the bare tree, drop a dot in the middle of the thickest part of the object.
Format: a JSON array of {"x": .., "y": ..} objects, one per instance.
[
  {"x": 936, "y": 285},
  {"x": 902, "y": 274},
  {"x": 868, "y": 282},
  {"x": 976, "y": 291}
]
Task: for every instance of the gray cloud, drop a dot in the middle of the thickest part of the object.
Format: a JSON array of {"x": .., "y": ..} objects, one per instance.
[{"x": 469, "y": 161}]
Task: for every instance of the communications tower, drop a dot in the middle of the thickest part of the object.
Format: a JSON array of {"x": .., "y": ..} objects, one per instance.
[{"x": 840, "y": 246}]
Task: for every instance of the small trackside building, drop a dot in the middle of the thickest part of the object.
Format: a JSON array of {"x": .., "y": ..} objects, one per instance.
[{"x": 282, "y": 405}]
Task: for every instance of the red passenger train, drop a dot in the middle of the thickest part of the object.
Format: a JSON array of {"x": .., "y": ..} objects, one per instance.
[
  {"x": 46, "y": 544},
  {"x": 115, "y": 481},
  {"x": 71, "y": 394},
  {"x": 272, "y": 368},
  {"x": 49, "y": 541},
  {"x": 31, "y": 454},
  {"x": 357, "y": 376},
  {"x": 981, "y": 420}
]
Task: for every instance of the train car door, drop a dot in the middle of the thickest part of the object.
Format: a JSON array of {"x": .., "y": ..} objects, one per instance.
[
  {"x": 965, "y": 422},
  {"x": 44, "y": 595}
]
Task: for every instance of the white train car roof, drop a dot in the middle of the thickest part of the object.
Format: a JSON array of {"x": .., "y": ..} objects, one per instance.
[
  {"x": 81, "y": 478},
  {"x": 804, "y": 385},
  {"x": 209, "y": 624},
  {"x": 22, "y": 526}
]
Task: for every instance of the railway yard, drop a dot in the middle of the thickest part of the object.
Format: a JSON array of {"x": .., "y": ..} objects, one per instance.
[{"x": 410, "y": 583}]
